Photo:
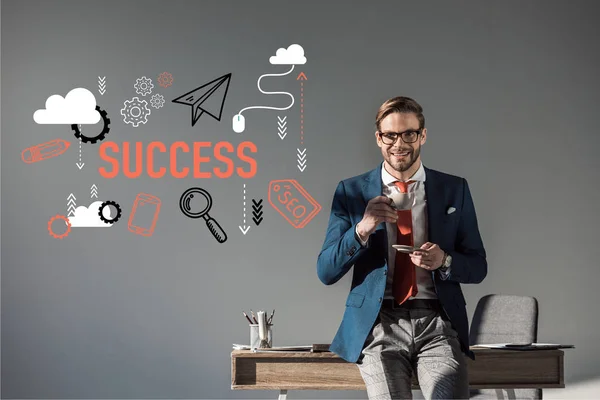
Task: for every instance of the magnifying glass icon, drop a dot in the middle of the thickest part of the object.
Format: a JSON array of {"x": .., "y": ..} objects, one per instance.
[{"x": 196, "y": 203}]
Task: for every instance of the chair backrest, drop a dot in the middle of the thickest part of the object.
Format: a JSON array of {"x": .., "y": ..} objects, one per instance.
[{"x": 502, "y": 318}]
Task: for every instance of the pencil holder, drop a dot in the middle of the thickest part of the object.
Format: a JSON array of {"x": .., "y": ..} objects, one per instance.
[{"x": 255, "y": 337}]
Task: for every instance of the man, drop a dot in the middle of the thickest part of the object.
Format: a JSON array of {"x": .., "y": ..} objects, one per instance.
[{"x": 405, "y": 311}]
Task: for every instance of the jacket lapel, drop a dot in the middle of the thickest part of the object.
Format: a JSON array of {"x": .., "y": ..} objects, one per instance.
[
  {"x": 373, "y": 187},
  {"x": 434, "y": 193}
]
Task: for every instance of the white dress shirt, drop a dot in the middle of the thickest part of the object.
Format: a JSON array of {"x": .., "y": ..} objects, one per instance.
[{"x": 416, "y": 201}]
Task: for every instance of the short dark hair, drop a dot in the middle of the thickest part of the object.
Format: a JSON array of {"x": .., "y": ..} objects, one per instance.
[{"x": 400, "y": 104}]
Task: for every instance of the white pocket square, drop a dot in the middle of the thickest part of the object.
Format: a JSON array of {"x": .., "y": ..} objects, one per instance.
[{"x": 450, "y": 210}]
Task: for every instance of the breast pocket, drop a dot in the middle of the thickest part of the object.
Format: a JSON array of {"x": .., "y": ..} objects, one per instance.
[
  {"x": 450, "y": 226},
  {"x": 355, "y": 300},
  {"x": 452, "y": 218}
]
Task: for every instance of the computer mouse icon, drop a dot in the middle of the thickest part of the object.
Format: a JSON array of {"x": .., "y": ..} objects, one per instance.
[{"x": 238, "y": 123}]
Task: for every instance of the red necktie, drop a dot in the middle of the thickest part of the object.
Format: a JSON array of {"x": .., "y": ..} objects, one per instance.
[{"x": 405, "y": 283}]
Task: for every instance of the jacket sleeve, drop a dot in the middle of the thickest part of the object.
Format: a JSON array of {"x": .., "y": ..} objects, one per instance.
[
  {"x": 342, "y": 247},
  {"x": 469, "y": 264}
]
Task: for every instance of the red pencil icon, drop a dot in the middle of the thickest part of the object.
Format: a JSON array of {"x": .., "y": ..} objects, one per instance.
[{"x": 44, "y": 151}]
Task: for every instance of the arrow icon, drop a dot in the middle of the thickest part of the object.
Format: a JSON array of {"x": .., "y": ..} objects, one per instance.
[
  {"x": 302, "y": 160},
  {"x": 94, "y": 191},
  {"x": 257, "y": 211},
  {"x": 245, "y": 229},
  {"x": 282, "y": 127},
  {"x": 302, "y": 109},
  {"x": 198, "y": 99},
  {"x": 71, "y": 204},
  {"x": 301, "y": 77},
  {"x": 102, "y": 85},
  {"x": 80, "y": 164}
]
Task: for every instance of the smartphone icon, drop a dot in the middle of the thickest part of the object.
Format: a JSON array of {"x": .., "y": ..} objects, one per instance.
[{"x": 144, "y": 214}]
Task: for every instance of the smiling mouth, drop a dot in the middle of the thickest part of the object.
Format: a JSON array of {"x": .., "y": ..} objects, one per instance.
[{"x": 402, "y": 154}]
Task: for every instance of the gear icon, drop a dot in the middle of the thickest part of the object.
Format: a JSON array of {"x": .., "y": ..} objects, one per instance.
[
  {"x": 106, "y": 204},
  {"x": 51, "y": 232},
  {"x": 93, "y": 139},
  {"x": 135, "y": 111},
  {"x": 143, "y": 86},
  {"x": 165, "y": 79},
  {"x": 157, "y": 100}
]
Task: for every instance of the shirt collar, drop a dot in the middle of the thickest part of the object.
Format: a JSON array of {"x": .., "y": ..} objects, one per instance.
[{"x": 388, "y": 179}]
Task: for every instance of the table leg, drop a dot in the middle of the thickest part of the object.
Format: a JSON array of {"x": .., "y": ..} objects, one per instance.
[{"x": 282, "y": 394}]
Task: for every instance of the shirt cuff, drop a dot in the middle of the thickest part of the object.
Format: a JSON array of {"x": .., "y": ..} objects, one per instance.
[
  {"x": 445, "y": 275},
  {"x": 363, "y": 243}
]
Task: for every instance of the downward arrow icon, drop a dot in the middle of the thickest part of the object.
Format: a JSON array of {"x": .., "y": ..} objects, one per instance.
[
  {"x": 301, "y": 159},
  {"x": 245, "y": 229}
]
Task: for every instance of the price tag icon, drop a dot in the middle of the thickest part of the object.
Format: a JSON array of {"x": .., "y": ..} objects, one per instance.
[{"x": 293, "y": 202}]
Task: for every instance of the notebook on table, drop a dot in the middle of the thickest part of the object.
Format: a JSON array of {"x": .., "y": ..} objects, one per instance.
[{"x": 526, "y": 346}]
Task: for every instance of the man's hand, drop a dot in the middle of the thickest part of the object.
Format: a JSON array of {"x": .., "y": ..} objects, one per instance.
[
  {"x": 429, "y": 258},
  {"x": 378, "y": 210}
]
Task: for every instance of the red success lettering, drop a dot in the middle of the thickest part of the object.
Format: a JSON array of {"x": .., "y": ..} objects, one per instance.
[{"x": 134, "y": 155}]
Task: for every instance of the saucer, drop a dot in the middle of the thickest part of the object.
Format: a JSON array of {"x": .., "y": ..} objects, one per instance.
[{"x": 404, "y": 249}]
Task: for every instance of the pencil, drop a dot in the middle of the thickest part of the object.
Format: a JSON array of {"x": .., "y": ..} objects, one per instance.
[
  {"x": 271, "y": 317},
  {"x": 253, "y": 317},
  {"x": 44, "y": 151},
  {"x": 248, "y": 318}
]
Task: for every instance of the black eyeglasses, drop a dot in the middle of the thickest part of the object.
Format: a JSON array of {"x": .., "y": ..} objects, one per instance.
[{"x": 409, "y": 136}]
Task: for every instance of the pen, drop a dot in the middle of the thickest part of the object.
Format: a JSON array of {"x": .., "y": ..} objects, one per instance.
[
  {"x": 248, "y": 318},
  {"x": 253, "y": 317},
  {"x": 271, "y": 317},
  {"x": 44, "y": 151}
]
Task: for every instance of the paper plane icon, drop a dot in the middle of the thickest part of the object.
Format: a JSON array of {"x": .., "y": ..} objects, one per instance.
[{"x": 208, "y": 98}]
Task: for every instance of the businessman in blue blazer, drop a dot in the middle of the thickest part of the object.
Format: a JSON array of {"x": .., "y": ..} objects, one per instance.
[{"x": 405, "y": 312}]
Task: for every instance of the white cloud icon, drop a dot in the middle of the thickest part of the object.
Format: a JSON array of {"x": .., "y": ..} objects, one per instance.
[
  {"x": 77, "y": 107},
  {"x": 294, "y": 54},
  {"x": 87, "y": 217}
]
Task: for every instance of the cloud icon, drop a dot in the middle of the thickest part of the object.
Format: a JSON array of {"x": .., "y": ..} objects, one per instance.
[
  {"x": 87, "y": 217},
  {"x": 77, "y": 107},
  {"x": 294, "y": 54}
]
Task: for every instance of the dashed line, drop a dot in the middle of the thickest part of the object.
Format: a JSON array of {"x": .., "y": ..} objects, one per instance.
[{"x": 301, "y": 113}]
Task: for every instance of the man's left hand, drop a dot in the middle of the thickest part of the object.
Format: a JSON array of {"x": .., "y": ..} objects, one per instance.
[{"x": 430, "y": 258}]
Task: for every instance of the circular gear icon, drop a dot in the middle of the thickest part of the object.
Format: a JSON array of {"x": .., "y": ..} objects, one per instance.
[
  {"x": 106, "y": 204},
  {"x": 93, "y": 139},
  {"x": 63, "y": 235},
  {"x": 135, "y": 112},
  {"x": 165, "y": 79},
  {"x": 157, "y": 101},
  {"x": 143, "y": 86}
]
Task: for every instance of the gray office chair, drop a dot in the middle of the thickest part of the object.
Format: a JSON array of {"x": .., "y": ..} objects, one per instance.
[{"x": 505, "y": 319}]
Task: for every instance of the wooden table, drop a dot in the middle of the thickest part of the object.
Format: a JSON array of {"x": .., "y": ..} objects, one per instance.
[{"x": 492, "y": 369}]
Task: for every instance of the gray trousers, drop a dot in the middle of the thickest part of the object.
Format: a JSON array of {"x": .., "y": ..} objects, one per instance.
[{"x": 406, "y": 340}]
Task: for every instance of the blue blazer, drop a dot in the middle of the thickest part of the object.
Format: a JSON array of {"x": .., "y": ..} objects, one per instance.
[{"x": 456, "y": 233}]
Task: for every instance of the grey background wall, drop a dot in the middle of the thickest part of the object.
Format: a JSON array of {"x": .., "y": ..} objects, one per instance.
[{"x": 509, "y": 91}]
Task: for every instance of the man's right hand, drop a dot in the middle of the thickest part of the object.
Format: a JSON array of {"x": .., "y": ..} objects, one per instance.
[{"x": 378, "y": 210}]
